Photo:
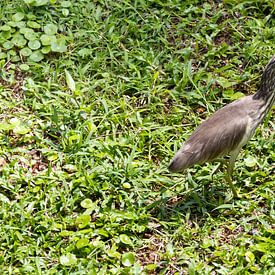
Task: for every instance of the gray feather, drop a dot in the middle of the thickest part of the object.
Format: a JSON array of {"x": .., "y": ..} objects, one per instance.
[
  {"x": 222, "y": 133},
  {"x": 228, "y": 129}
]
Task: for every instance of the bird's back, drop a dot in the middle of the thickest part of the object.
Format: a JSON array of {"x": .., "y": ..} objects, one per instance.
[{"x": 225, "y": 131}]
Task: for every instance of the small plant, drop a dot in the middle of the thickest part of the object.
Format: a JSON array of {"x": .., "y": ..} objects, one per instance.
[{"x": 23, "y": 38}]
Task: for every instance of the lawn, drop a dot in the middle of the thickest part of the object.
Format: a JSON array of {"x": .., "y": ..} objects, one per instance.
[{"x": 95, "y": 98}]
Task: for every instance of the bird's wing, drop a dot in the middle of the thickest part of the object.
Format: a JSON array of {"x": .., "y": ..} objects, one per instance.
[{"x": 217, "y": 136}]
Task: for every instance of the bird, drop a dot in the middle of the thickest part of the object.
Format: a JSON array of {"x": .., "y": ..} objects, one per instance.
[{"x": 228, "y": 129}]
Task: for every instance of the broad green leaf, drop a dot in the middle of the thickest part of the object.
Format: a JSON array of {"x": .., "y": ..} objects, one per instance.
[
  {"x": 21, "y": 129},
  {"x": 249, "y": 256},
  {"x": 225, "y": 83},
  {"x": 15, "y": 58},
  {"x": 26, "y": 30},
  {"x": 65, "y": 12},
  {"x": 19, "y": 236},
  {"x": 31, "y": 16},
  {"x": 224, "y": 206},
  {"x": 46, "y": 49},
  {"x": 87, "y": 203},
  {"x": 18, "y": 16},
  {"x": 151, "y": 267},
  {"x": 47, "y": 39},
  {"x": 12, "y": 53},
  {"x": 232, "y": 95},
  {"x": 8, "y": 45},
  {"x": 5, "y": 28},
  {"x": 125, "y": 239},
  {"x": 126, "y": 185},
  {"x": 33, "y": 25},
  {"x": 31, "y": 36},
  {"x": 237, "y": 95},
  {"x": 69, "y": 80},
  {"x": 15, "y": 121},
  {"x": 98, "y": 243},
  {"x": 12, "y": 23},
  {"x": 68, "y": 259},
  {"x": 65, "y": 4},
  {"x": 82, "y": 243},
  {"x": 36, "y": 56},
  {"x": 6, "y": 126},
  {"x": 113, "y": 252},
  {"x": 66, "y": 233},
  {"x": 19, "y": 40},
  {"x": 29, "y": 2},
  {"x": 250, "y": 161},
  {"x": 103, "y": 232},
  {"x": 262, "y": 247},
  {"x": 34, "y": 45},
  {"x": 59, "y": 46},
  {"x": 128, "y": 259},
  {"x": 84, "y": 52},
  {"x": 26, "y": 52},
  {"x": 4, "y": 36},
  {"x": 170, "y": 249},
  {"x": 50, "y": 29},
  {"x": 3, "y": 55},
  {"x": 21, "y": 24},
  {"x": 38, "y": 3},
  {"x": 73, "y": 138},
  {"x": 4, "y": 199},
  {"x": 52, "y": 156},
  {"x": 83, "y": 220},
  {"x": 24, "y": 67}
]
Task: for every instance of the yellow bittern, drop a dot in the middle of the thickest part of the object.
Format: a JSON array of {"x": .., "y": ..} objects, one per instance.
[{"x": 228, "y": 129}]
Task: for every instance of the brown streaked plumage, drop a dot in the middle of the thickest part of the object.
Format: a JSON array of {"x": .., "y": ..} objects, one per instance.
[{"x": 228, "y": 129}]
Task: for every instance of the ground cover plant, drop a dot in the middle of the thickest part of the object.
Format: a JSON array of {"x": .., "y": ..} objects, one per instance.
[{"x": 95, "y": 98}]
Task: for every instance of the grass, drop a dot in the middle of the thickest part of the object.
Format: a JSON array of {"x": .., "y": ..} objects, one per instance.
[{"x": 90, "y": 120}]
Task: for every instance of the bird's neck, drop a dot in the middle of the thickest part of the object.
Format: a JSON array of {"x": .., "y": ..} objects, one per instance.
[
  {"x": 266, "y": 91},
  {"x": 266, "y": 96}
]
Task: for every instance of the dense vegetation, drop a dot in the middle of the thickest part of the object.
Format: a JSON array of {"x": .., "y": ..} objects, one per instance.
[{"x": 96, "y": 97}]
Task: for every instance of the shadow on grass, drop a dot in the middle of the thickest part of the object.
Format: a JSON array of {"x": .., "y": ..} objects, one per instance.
[{"x": 194, "y": 204}]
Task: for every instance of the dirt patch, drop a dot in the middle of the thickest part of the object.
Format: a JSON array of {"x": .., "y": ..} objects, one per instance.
[
  {"x": 12, "y": 78},
  {"x": 150, "y": 253},
  {"x": 31, "y": 161},
  {"x": 223, "y": 38},
  {"x": 229, "y": 236}
]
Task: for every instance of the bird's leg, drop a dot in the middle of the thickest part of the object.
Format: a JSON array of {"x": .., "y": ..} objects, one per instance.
[
  {"x": 230, "y": 168},
  {"x": 229, "y": 179},
  {"x": 222, "y": 161}
]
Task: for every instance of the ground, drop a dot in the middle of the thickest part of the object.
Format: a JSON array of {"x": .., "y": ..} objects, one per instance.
[{"x": 95, "y": 98}]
